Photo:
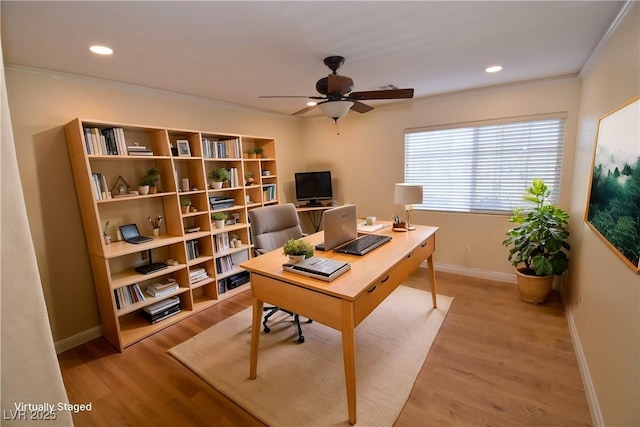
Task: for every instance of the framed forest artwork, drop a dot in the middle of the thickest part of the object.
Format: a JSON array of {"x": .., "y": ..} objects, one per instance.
[{"x": 613, "y": 207}]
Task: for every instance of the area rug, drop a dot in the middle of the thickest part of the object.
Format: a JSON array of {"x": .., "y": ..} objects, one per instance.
[{"x": 303, "y": 384}]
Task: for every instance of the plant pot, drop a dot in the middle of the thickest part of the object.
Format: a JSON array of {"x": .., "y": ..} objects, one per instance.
[
  {"x": 294, "y": 259},
  {"x": 219, "y": 223},
  {"x": 533, "y": 289},
  {"x": 216, "y": 184},
  {"x": 143, "y": 190},
  {"x": 185, "y": 209},
  {"x": 153, "y": 189}
]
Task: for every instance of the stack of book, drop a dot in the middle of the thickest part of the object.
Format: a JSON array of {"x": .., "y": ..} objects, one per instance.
[
  {"x": 161, "y": 310},
  {"x": 138, "y": 150},
  {"x": 197, "y": 274},
  {"x": 162, "y": 288}
]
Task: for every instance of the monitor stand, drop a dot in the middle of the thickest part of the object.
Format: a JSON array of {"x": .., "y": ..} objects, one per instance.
[{"x": 312, "y": 204}]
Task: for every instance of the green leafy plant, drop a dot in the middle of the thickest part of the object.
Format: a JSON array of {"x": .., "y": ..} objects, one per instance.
[
  {"x": 298, "y": 247},
  {"x": 539, "y": 241},
  {"x": 258, "y": 150},
  {"x": 151, "y": 178},
  {"x": 185, "y": 201},
  {"x": 219, "y": 175},
  {"x": 218, "y": 216}
]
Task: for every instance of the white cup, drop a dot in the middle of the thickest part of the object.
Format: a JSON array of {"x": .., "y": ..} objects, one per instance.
[{"x": 370, "y": 220}]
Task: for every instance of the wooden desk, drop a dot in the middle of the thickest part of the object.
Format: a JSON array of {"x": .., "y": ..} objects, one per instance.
[
  {"x": 345, "y": 302},
  {"x": 315, "y": 214}
]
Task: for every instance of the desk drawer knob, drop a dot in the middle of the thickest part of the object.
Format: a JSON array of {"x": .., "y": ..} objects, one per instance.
[
  {"x": 425, "y": 243},
  {"x": 385, "y": 279},
  {"x": 371, "y": 289}
]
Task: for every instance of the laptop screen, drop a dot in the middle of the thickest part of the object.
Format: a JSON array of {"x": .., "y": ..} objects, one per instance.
[
  {"x": 129, "y": 231},
  {"x": 340, "y": 226}
]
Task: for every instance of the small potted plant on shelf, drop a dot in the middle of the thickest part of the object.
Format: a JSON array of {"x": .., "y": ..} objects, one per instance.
[
  {"x": 218, "y": 219},
  {"x": 249, "y": 178},
  {"x": 152, "y": 177},
  {"x": 538, "y": 244},
  {"x": 106, "y": 235},
  {"x": 258, "y": 151},
  {"x": 218, "y": 176},
  {"x": 185, "y": 203},
  {"x": 297, "y": 250}
]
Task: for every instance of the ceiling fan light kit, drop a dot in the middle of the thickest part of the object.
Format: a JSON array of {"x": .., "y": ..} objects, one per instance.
[{"x": 338, "y": 98}]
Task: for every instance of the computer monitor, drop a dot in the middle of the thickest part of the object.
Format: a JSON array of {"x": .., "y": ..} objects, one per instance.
[{"x": 311, "y": 187}]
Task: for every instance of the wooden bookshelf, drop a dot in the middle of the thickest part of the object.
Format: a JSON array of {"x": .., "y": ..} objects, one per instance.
[{"x": 108, "y": 161}]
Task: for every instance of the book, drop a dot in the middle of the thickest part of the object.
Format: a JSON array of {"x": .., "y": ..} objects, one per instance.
[
  {"x": 319, "y": 268},
  {"x": 162, "y": 288}
]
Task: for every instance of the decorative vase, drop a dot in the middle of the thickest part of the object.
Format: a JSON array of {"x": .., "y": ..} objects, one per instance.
[
  {"x": 533, "y": 289},
  {"x": 107, "y": 238},
  {"x": 143, "y": 190}
]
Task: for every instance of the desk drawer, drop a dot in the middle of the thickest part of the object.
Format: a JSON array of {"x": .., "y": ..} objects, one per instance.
[{"x": 388, "y": 282}]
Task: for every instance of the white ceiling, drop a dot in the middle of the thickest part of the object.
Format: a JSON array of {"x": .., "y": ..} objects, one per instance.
[{"x": 235, "y": 51}]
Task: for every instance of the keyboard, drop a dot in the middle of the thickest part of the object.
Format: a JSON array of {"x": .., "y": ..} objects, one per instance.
[{"x": 363, "y": 244}]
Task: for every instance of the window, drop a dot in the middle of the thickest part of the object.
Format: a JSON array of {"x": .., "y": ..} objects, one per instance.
[{"x": 484, "y": 167}]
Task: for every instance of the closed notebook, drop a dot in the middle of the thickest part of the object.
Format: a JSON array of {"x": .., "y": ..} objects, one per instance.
[{"x": 320, "y": 268}]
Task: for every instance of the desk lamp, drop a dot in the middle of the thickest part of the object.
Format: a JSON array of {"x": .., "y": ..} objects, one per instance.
[{"x": 407, "y": 195}]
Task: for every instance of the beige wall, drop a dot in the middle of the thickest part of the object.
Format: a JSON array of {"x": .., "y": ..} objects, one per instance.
[
  {"x": 40, "y": 105},
  {"x": 367, "y": 158},
  {"x": 604, "y": 296}
]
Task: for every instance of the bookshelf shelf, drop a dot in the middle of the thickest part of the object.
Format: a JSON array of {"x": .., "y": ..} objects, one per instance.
[{"x": 108, "y": 162}]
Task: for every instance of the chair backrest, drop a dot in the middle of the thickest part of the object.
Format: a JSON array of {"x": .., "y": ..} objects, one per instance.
[{"x": 272, "y": 226}]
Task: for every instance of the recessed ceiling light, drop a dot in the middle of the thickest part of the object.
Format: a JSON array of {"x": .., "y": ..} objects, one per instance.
[
  {"x": 101, "y": 50},
  {"x": 493, "y": 69},
  {"x": 312, "y": 104}
]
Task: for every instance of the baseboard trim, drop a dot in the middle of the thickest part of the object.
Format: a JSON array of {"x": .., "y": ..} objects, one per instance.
[
  {"x": 77, "y": 339},
  {"x": 473, "y": 272},
  {"x": 590, "y": 391}
]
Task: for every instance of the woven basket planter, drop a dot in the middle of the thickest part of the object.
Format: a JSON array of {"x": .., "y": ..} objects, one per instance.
[{"x": 533, "y": 289}]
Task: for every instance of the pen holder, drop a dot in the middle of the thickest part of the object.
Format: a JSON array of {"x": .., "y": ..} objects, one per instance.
[{"x": 399, "y": 226}]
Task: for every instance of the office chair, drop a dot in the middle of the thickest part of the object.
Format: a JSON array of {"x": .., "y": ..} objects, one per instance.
[{"x": 271, "y": 227}]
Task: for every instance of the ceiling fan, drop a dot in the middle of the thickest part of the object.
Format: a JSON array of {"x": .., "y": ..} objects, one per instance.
[{"x": 338, "y": 98}]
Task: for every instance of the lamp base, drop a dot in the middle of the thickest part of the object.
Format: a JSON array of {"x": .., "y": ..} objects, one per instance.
[{"x": 410, "y": 227}]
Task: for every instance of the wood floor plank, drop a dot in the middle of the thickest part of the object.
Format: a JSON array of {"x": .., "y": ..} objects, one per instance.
[{"x": 496, "y": 361}]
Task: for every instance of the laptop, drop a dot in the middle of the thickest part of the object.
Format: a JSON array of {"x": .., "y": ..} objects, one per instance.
[
  {"x": 341, "y": 233},
  {"x": 131, "y": 234}
]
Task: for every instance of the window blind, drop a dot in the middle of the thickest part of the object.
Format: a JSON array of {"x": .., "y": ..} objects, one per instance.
[{"x": 484, "y": 168}]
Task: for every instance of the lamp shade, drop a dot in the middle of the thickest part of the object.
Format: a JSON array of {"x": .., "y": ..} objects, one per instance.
[
  {"x": 407, "y": 194},
  {"x": 335, "y": 109}
]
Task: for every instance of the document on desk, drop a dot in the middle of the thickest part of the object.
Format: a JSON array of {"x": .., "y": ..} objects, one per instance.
[
  {"x": 318, "y": 268},
  {"x": 364, "y": 228}
]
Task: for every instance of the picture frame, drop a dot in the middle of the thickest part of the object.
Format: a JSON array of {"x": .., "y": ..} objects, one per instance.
[
  {"x": 613, "y": 204},
  {"x": 183, "y": 148}
]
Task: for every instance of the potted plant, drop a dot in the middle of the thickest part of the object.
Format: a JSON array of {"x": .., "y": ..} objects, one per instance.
[
  {"x": 297, "y": 250},
  {"x": 152, "y": 177},
  {"x": 249, "y": 178},
  {"x": 538, "y": 243},
  {"x": 218, "y": 176},
  {"x": 258, "y": 151},
  {"x": 185, "y": 203},
  {"x": 219, "y": 218},
  {"x": 143, "y": 185}
]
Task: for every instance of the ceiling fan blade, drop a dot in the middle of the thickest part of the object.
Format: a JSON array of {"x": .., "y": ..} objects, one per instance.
[
  {"x": 304, "y": 110},
  {"x": 360, "y": 107},
  {"x": 292, "y": 96},
  {"x": 339, "y": 84},
  {"x": 383, "y": 94}
]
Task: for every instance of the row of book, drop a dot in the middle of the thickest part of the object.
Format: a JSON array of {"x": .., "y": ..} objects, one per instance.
[
  {"x": 269, "y": 192},
  {"x": 224, "y": 264},
  {"x": 221, "y": 242},
  {"x": 226, "y": 149},
  {"x": 192, "y": 249},
  {"x": 127, "y": 295},
  {"x": 111, "y": 142}
]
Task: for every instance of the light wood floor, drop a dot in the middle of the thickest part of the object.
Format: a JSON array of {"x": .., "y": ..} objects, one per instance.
[{"x": 496, "y": 361}]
